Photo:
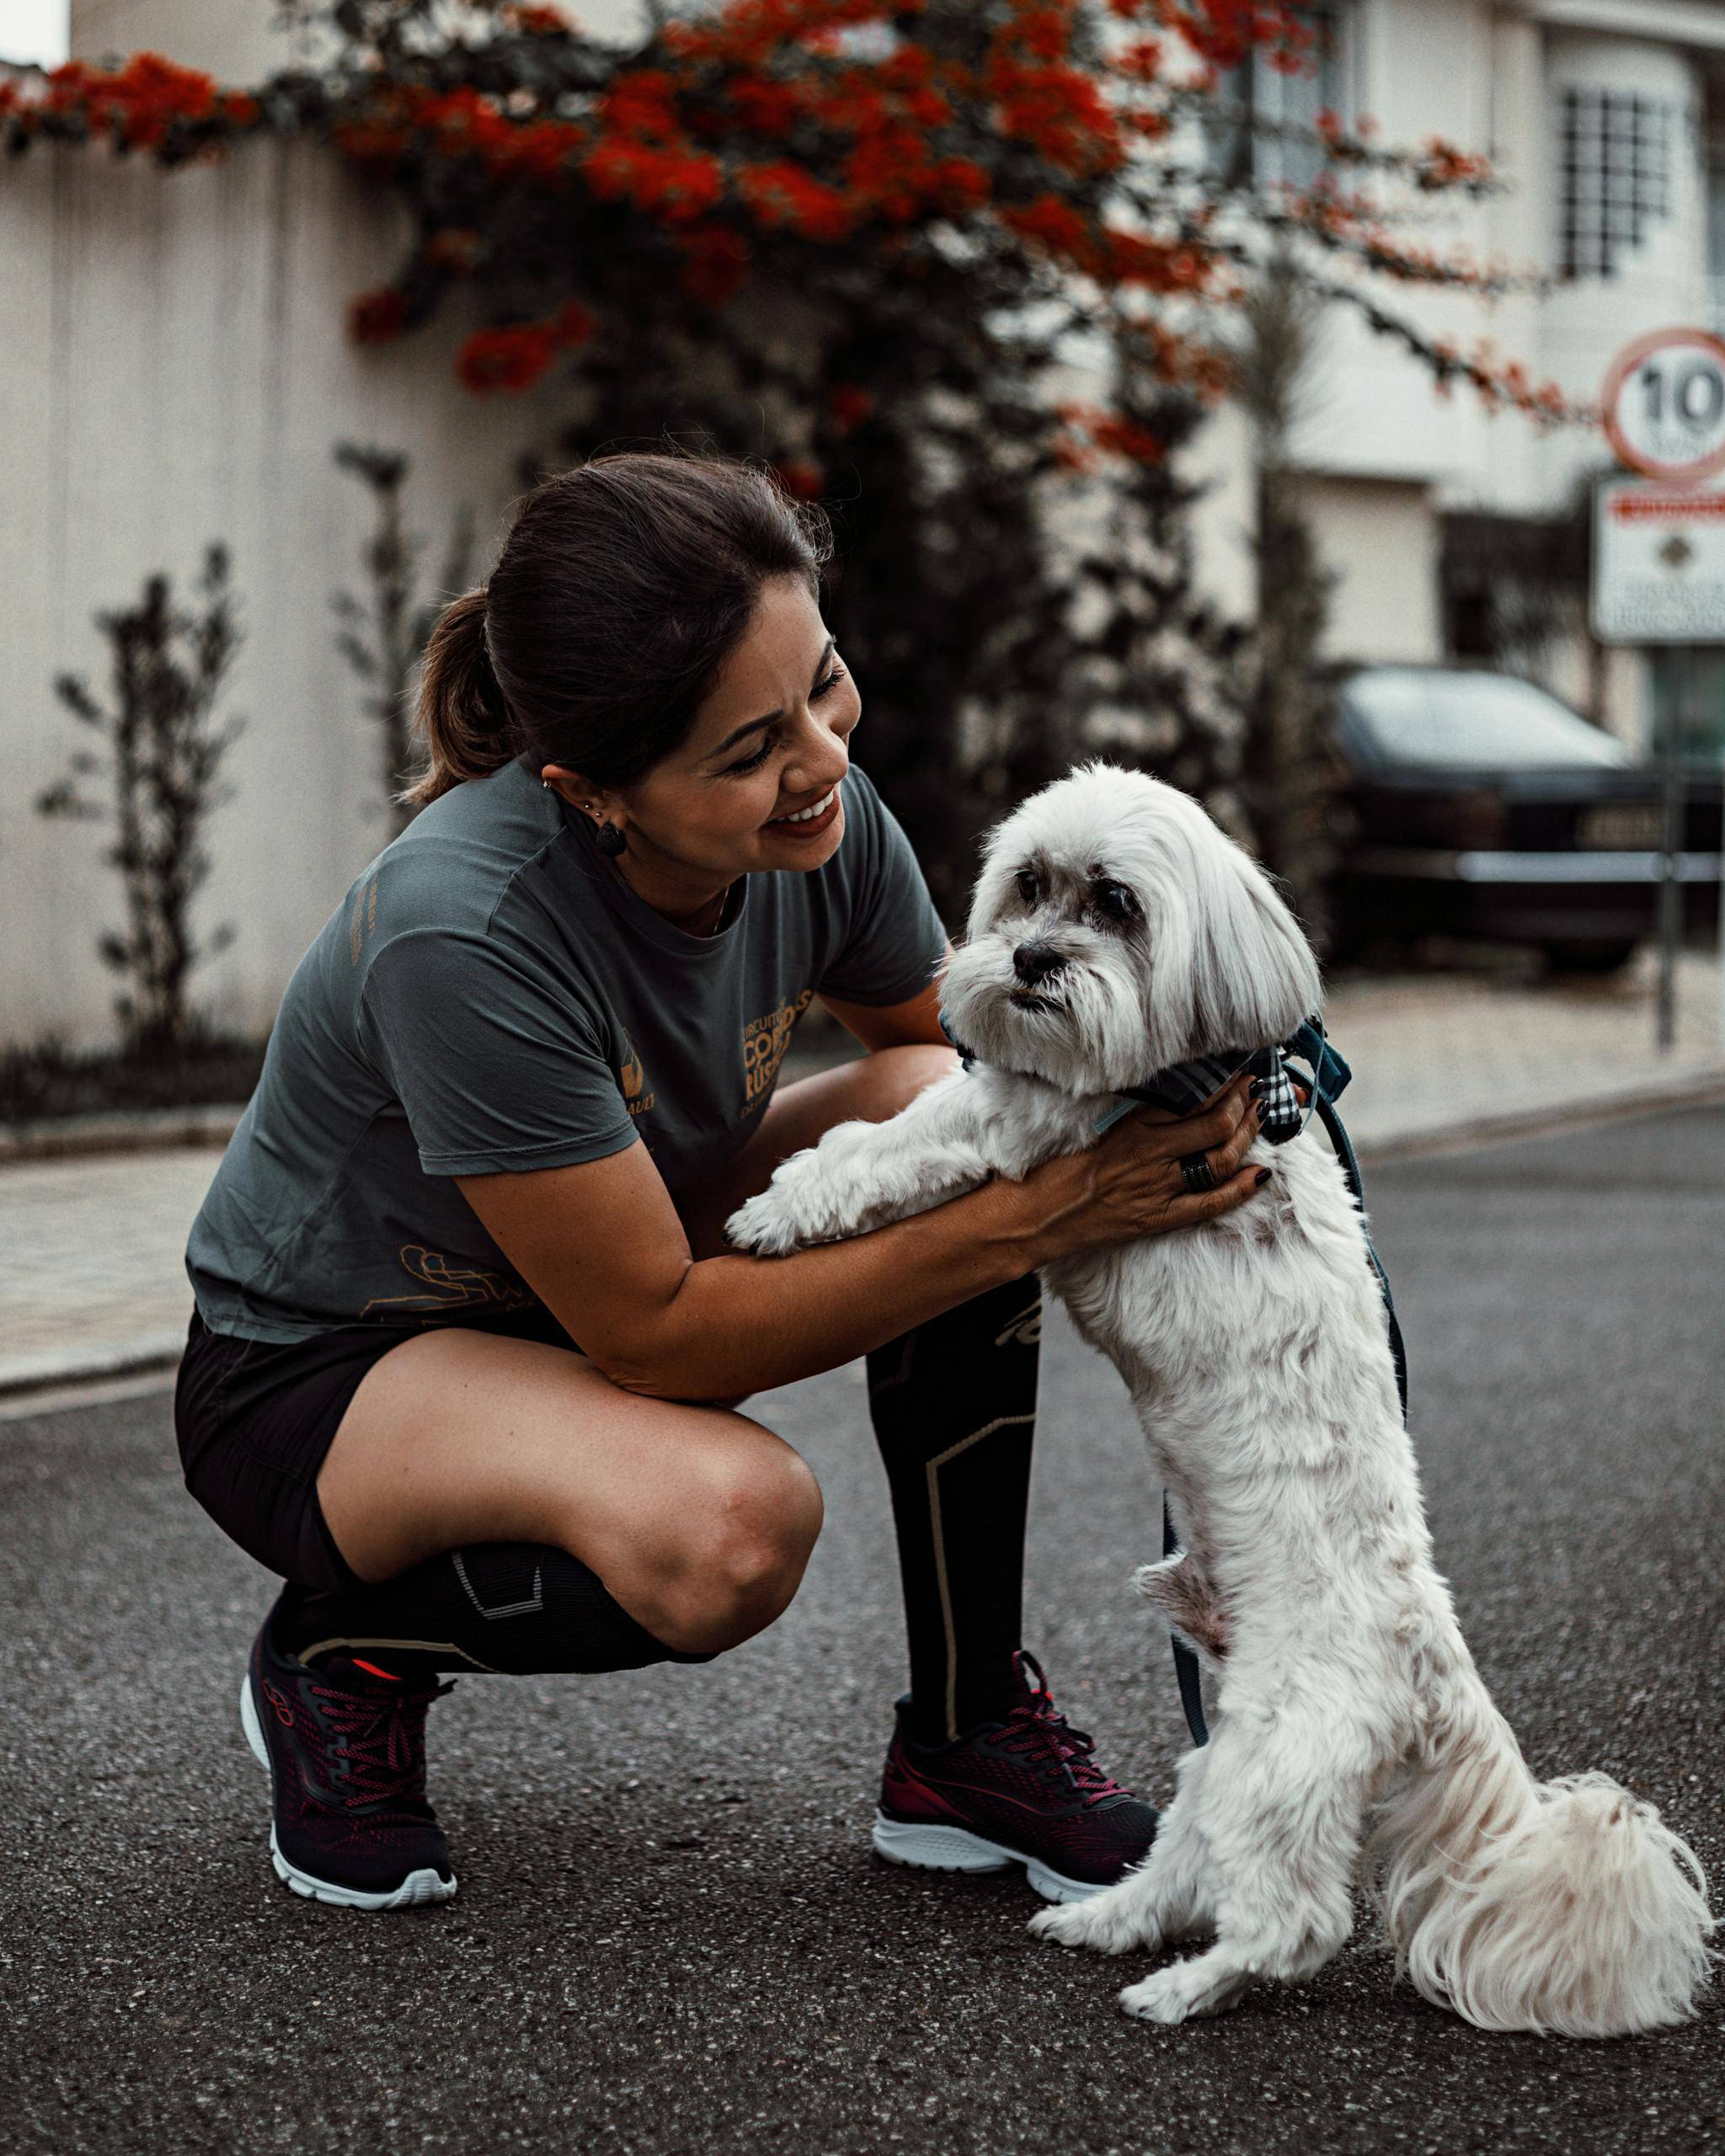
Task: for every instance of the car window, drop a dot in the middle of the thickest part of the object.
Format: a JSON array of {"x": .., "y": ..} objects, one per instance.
[{"x": 1418, "y": 715}]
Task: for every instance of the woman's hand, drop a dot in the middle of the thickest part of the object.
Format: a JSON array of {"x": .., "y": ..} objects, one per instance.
[{"x": 1129, "y": 1184}]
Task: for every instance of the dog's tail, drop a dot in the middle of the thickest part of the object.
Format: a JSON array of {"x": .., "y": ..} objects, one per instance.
[{"x": 1564, "y": 1908}]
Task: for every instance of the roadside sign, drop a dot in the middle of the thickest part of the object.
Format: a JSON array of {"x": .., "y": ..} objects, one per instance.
[
  {"x": 1659, "y": 563},
  {"x": 1659, "y": 570},
  {"x": 1663, "y": 405}
]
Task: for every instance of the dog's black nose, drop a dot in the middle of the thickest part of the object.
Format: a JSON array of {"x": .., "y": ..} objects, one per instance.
[{"x": 1035, "y": 962}]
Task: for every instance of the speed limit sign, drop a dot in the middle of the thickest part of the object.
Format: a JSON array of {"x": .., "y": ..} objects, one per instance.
[{"x": 1663, "y": 405}]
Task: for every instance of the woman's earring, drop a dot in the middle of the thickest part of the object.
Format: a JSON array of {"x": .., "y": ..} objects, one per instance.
[{"x": 611, "y": 842}]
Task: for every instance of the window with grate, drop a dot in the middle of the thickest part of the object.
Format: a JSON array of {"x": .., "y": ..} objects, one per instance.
[
  {"x": 1264, "y": 130},
  {"x": 1614, "y": 176}
]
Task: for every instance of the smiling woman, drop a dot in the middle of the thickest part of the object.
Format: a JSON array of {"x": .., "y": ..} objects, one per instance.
[
  {"x": 731, "y": 783},
  {"x": 468, "y": 1343}
]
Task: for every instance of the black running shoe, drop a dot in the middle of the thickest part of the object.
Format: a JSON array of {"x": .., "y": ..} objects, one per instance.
[
  {"x": 1024, "y": 1790},
  {"x": 345, "y": 1745}
]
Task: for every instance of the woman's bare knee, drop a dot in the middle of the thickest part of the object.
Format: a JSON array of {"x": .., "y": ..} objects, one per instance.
[
  {"x": 753, "y": 1519},
  {"x": 699, "y": 1521}
]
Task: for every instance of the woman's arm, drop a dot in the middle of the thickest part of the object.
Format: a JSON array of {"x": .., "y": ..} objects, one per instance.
[
  {"x": 910, "y": 1024},
  {"x": 601, "y": 1245}
]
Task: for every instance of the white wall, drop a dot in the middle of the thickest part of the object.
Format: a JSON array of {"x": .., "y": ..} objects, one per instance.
[
  {"x": 172, "y": 370},
  {"x": 239, "y": 41},
  {"x": 1379, "y": 538}
]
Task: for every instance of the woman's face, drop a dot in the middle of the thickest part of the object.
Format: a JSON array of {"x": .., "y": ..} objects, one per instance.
[{"x": 768, "y": 744}]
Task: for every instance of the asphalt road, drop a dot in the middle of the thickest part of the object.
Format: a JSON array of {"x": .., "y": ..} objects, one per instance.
[{"x": 671, "y": 1935}]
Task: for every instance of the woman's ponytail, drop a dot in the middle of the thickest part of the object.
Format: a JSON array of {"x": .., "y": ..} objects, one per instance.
[{"x": 462, "y": 718}]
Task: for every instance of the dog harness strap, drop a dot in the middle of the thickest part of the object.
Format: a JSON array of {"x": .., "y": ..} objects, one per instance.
[
  {"x": 965, "y": 1057},
  {"x": 1186, "y": 1674},
  {"x": 1350, "y": 1168}
]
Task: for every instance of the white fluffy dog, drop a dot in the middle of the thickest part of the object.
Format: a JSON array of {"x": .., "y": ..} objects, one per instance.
[{"x": 1352, "y": 1727}]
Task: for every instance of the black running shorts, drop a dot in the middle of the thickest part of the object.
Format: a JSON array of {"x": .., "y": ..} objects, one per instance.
[{"x": 255, "y": 1420}]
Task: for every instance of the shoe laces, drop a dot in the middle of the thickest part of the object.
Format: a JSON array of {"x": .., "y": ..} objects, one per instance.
[
  {"x": 1036, "y": 1729},
  {"x": 379, "y": 1742}
]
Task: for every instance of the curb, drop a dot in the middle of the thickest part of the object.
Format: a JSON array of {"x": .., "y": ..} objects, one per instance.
[
  {"x": 141, "y": 1130},
  {"x": 144, "y": 1355},
  {"x": 148, "y": 1130},
  {"x": 22, "y": 1376},
  {"x": 1641, "y": 1096}
]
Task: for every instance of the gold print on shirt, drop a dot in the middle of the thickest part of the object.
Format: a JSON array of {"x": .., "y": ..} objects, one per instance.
[
  {"x": 765, "y": 1041},
  {"x": 453, "y": 1287},
  {"x": 634, "y": 1080},
  {"x": 362, "y": 921}
]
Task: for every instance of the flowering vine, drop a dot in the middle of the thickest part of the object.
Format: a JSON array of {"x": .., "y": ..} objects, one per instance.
[
  {"x": 857, "y": 237},
  {"x": 774, "y": 128}
]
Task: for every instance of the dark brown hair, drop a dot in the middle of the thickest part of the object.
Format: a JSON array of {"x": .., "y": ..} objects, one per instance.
[{"x": 622, "y": 588}]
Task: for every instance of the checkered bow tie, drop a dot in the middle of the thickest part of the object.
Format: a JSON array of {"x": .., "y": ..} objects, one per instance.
[{"x": 1182, "y": 1088}]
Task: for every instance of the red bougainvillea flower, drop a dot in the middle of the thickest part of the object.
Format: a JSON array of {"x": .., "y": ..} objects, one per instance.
[
  {"x": 454, "y": 248},
  {"x": 716, "y": 262},
  {"x": 868, "y": 130},
  {"x": 669, "y": 185},
  {"x": 370, "y": 141},
  {"x": 1092, "y": 432},
  {"x": 785, "y": 193},
  {"x": 136, "y": 103},
  {"x": 511, "y": 358},
  {"x": 377, "y": 317},
  {"x": 849, "y": 404},
  {"x": 1051, "y": 220},
  {"x": 801, "y": 478},
  {"x": 573, "y": 323},
  {"x": 1224, "y": 31}
]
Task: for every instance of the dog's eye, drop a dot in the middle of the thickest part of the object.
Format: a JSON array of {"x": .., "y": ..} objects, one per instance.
[
  {"x": 1029, "y": 888},
  {"x": 1112, "y": 901}
]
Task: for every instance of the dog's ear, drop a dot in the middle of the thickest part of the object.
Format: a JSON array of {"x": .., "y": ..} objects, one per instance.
[{"x": 1254, "y": 978}]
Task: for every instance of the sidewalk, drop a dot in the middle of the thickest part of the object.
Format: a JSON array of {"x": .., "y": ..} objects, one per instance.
[{"x": 93, "y": 1284}]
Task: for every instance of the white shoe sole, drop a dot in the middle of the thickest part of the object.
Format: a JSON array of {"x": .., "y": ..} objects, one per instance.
[
  {"x": 414, "y": 1892},
  {"x": 927, "y": 1847}
]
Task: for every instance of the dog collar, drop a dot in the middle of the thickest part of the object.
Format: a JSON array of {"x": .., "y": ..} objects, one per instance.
[{"x": 1183, "y": 1087}]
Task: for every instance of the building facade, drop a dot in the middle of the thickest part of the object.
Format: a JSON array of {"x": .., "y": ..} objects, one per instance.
[
  {"x": 1605, "y": 122},
  {"x": 173, "y": 372}
]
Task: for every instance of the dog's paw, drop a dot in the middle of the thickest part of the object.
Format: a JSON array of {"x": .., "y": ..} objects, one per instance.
[
  {"x": 1103, "y": 1925},
  {"x": 1156, "y": 1999},
  {"x": 765, "y": 1227},
  {"x": 820, "y": 1195},
  {"x": 1209, "y": 1983}
]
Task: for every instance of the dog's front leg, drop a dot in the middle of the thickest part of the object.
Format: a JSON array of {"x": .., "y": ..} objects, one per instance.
[
  {"x": 1281, "y": 1812},
  {"x": 863, "y": 1175},
  {"x": 1168, "y": 1896}
]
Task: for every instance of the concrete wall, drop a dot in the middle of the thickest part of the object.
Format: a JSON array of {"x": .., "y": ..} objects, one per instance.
[{"x": 173, "y": 371}]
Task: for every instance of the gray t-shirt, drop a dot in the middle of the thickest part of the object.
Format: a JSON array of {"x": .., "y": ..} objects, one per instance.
[{"x": 491, "y": 996}]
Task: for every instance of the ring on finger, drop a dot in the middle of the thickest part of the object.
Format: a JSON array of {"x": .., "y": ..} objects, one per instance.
[{"x": 1197, "y": 1173}]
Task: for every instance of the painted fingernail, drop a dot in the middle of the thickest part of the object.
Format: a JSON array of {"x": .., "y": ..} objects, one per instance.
[
  {"x": 1263, "y": 1177},
  {"x": 1257, "y": 1088},
  {"x": 1261, "y": 1109}
]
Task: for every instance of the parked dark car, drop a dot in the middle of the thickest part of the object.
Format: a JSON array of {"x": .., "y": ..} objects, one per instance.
[{"x": 1479, "y": 805}]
